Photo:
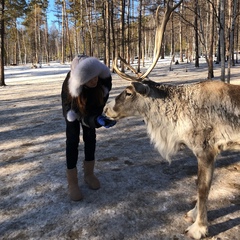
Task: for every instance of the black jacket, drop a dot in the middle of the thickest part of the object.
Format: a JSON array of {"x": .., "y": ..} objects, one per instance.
[{"x": 94, "y": 111}]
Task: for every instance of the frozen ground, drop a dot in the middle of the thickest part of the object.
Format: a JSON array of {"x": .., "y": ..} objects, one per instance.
[{"x": 142, "y": 197}]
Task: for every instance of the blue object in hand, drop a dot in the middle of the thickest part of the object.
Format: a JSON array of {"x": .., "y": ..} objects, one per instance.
[{"x": 106, "y": 122}]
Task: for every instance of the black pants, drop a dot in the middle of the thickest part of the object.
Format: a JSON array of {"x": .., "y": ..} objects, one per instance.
[{"x": 72, "y": 143}]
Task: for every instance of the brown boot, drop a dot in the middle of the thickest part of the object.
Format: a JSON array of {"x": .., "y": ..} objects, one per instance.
[
  {"x": 73, "y": 188},
  {"x": 89, "y": 176}
]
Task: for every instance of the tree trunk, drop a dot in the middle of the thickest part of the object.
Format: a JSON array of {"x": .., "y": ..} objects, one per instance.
[
  {"x": 36, "y": 57},
  {"x": 180, "y": 35},
  {"x": 70, "y": 53},
  {"x": 143, "y": 39},
  {"x": 172, "y": 40},
  {"x": 63, "y": 31},
  {"x": 139, "y": 36},
  {"x": 211, "y": 43},
  {"x": 46, "y": 41},
  {"x": 19, "y": 59},
  {"x": 162, "y": 56},
  {"x": 231, "y": 26},
  {"x": 76, "y": 46},
  {"x": 82, "y": 31},
  {"x": 24, "y": 47},
  {"x": 122, "y": 33},
  {"x": 90, "y": 28},
  {"x": 113, "y": 34},
  {"x": 196, "y": 34},
  {"x": 222, "y": 38},
  {"x": 2, "y": 79},
  {"x": 107, "y": 34},
  {"x": 128, "y": 33},
  {"x": 237, "y": 35}
]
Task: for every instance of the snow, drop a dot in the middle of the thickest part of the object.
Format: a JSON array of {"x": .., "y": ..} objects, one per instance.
[{"x": 141, "y": 195}]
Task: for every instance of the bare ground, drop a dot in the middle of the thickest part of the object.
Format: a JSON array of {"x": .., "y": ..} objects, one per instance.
[{"x": 142, "y": 196}]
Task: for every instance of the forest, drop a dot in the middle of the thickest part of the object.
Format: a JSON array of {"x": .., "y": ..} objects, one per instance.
[{"x": 108, "y": 28}]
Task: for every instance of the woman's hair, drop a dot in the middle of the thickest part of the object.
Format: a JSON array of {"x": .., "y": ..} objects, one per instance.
[{"x": 97, "y": 99}]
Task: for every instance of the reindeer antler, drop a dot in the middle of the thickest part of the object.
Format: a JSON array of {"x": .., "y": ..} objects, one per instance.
[
  {"x": 157, "y": 48},
  {"x": 124, "y": 75}
]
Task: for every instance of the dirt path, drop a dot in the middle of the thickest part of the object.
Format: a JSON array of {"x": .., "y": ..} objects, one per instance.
[{"x": 142, "y": 196}]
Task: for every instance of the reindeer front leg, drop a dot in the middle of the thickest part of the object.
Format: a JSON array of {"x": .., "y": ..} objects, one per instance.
[{"x": 198, "y": 215}]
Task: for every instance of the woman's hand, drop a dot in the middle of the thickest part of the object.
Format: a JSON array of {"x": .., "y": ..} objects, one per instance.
[{"x": 105, "y": 122}]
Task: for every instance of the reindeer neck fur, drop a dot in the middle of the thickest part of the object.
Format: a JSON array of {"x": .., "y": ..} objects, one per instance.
[{"x": 159, "y": 116}]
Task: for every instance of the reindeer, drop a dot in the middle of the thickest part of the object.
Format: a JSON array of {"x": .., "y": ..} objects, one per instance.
[{"x": 204, "y": 116}]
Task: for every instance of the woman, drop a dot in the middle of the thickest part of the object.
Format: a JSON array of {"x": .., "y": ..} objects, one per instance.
[{"x": 84, "y": 95}]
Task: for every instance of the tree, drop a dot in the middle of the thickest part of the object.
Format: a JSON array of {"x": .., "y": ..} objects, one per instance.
[
  {"x": 2, "y": 9},
  {"x": 181, "y": 34},
  {"x": 139, "y": 36},
  {"x": 114, "y": 49},
  {"x": 123, "y": 4},
  {"x": 107, "y": 27},
  {"x": 196, "y": 34},
  {"x": 222, "y": 38},
  {"x": 63, "y": 30},
  {"x": 231, "y": 27}
]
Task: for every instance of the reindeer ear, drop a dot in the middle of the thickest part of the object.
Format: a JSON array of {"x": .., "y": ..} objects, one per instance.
[{"x": 141, "y": 88}]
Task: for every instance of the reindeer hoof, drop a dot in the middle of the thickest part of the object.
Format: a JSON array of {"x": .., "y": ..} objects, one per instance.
[{"x": 196, "y": 232}]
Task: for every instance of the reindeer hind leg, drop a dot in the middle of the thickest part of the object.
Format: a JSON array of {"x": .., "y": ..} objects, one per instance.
[{"x": 199, "y": 228}]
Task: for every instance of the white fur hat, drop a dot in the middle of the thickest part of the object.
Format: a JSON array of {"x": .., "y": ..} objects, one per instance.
[{"x": 83, "y": 69}]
